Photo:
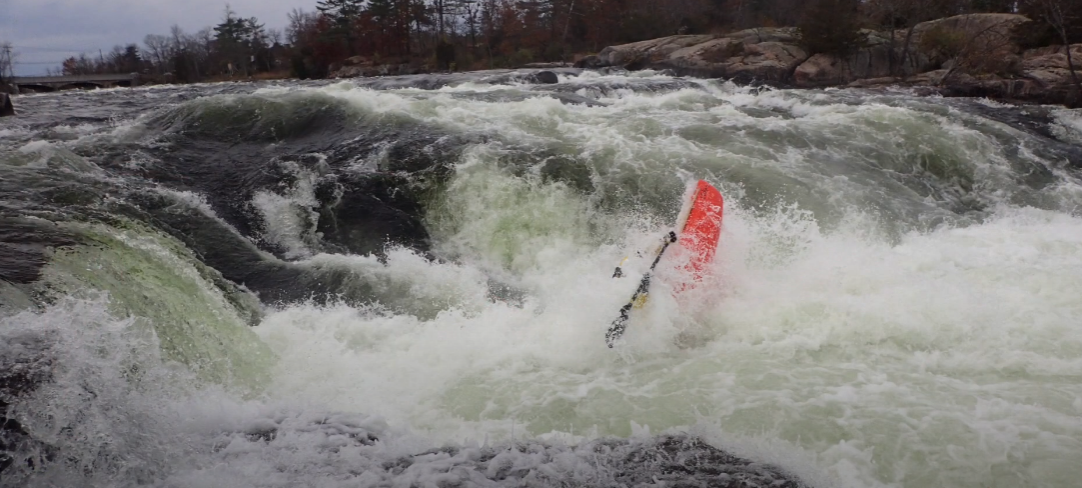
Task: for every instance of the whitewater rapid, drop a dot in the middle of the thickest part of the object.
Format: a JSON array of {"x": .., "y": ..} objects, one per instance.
[{"x": 894, "y": 301}]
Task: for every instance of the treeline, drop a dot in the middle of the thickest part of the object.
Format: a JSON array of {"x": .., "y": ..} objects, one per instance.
[
  {"x": 238, "y": 46},
  {"x": 478, "y": 34}
]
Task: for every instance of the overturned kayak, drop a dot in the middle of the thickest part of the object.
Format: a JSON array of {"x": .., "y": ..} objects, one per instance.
[{"x": 700, "y": 229}]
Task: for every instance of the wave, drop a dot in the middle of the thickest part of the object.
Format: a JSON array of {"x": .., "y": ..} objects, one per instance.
[{"x": 323, "y": 281}]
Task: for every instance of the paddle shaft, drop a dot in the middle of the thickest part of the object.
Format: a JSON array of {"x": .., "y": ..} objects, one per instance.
[{"x": 616, "y": 330}]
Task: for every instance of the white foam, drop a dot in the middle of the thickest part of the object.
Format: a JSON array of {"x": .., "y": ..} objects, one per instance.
[
  {"x": 290, "y": 214},
  {"x": 1068, "y": 125},
  {"x": 859, "y": 345}
]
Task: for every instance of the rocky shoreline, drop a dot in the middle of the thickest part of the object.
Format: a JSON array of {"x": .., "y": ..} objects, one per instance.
[
  {"x": 990, "y": 60},
  {"x": 974, "y": 55}
]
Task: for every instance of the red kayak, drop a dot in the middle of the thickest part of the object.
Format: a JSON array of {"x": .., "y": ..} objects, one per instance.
[{"x": 700, "y": 229}]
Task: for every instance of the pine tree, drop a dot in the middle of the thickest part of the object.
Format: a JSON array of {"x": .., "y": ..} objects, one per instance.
[{"x": 239, "y": 39}]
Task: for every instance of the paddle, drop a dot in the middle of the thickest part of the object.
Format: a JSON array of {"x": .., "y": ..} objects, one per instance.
[{"x": 617, "y": 328}]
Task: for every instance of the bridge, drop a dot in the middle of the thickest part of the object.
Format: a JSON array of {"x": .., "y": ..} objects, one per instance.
[{"x": 81, "y": 82}]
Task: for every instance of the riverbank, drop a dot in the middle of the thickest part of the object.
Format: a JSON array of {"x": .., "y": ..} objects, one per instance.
[{"x": 981, "y": 55}]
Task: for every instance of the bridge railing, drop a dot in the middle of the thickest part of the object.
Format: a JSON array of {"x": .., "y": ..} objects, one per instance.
[{"x": 75, "y": 78}]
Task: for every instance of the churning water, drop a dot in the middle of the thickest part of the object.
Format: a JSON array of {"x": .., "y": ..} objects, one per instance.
[{"x": 895, "y": 302}]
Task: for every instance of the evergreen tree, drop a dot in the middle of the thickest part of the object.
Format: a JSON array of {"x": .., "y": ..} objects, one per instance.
[
  {"x": 343, "y": 15},
  {"x": 239, "y": 40}
]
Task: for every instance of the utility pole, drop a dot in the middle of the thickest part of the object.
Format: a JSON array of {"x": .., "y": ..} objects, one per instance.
[{"x": 7, "y": 62}]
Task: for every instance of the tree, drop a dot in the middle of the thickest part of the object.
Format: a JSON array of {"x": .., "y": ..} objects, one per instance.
[
  {"x": 994, "y": 6},
  {"x": 81, "y": 65},
  {"x": 240, "y": 41},
  {"x": 832, "y": 27},
  {"x": 1065, "y": 18},
  {"x": 341, "y": 12},
  {"x": 343, "y": 15},
  {"x": 158, "y": 51},
  {"x": 301, "y": 23},
  {"x": 124, "y": 59},
  {"x": 972, "y": 44},
  {"x": 742, "y": 14},
  {"x": 907, "y": 14}
]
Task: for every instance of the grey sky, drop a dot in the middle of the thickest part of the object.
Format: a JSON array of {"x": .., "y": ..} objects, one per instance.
[{"x": 45, "y": 32}]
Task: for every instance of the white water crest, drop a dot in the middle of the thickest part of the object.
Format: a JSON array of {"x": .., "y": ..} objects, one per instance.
[
  {"x": 288, "y": 216},
  {"x": 893, "y": 304}
]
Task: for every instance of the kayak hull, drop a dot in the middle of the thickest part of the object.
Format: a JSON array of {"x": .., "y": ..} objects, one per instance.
[{"x": 702, "y": 229}]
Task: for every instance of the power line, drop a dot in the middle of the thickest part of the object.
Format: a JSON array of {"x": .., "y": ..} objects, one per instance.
[{"x": 45, "y": 49}]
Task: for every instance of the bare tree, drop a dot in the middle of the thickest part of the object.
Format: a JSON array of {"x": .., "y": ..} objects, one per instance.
[
  {"x": 157, "y": 51},
  {"x": 299, "y": 23},
  {"x": 1054, "y": 15},
  {"x": 971, "y": 47},
  {"x": 176, "y": 36},
  {"x": 274, "y": 36}
]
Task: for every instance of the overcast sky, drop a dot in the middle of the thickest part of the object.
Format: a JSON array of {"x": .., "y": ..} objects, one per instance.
[{"x": 44, "y": 32}]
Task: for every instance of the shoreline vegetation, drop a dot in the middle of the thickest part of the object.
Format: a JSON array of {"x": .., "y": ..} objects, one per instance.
[{"x": 1026, "y": 51}]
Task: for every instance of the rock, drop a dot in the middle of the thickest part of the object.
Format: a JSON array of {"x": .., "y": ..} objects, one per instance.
[
  {"x": 874, "y": 60},
  {"x": 991, "y": 27},
  {"x": 668, "y": 460},
  {"x": 871, "y": 62},
  {"x": 356, "y": 61},
  {"x": 775, "y": 56},
  {"x": 741, "y": 59},
  {"x": 546, "y": 65},
  {"x": 367, "y": 70},
  {"x": 6, "y": 108},
  {"x": 767, "y": 61},
  {"x": 546, "y": 78},
  {"x": 639, "y": 55},
  {"x": 754, "y": 55},
  {"x": 821, "y": 70},
  {"x": 589, "y": 62},
  {"x": 1048, "y": 65}
]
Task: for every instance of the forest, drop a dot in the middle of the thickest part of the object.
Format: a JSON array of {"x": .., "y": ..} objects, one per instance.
[{"x": 457, "y": 35}]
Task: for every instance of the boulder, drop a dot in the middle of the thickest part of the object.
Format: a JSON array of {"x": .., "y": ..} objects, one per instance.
[
  {"x": 367, "y": 69},
  {"x": 6, "y": 108},
  {"x": 639, "y": 55},
  {"x": 753, "y": 55},
  {"x": 774, "y": 55},
  {"x": 874, "y": 60},
  {"x": 1048, "y": 65},
  {"x": 589, "y": 62},
  {"x": 984, "y": 27},
  {"x": 764, "y": 54},
  {"x": 546, "y": 78},
  {"x": 546, "y": 65},
  {"x": 822, "y": 70},
  {"x": 357, "y": 61}
]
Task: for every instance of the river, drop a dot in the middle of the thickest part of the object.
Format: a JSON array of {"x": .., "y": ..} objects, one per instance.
[{"x": 304, "y": 283}]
